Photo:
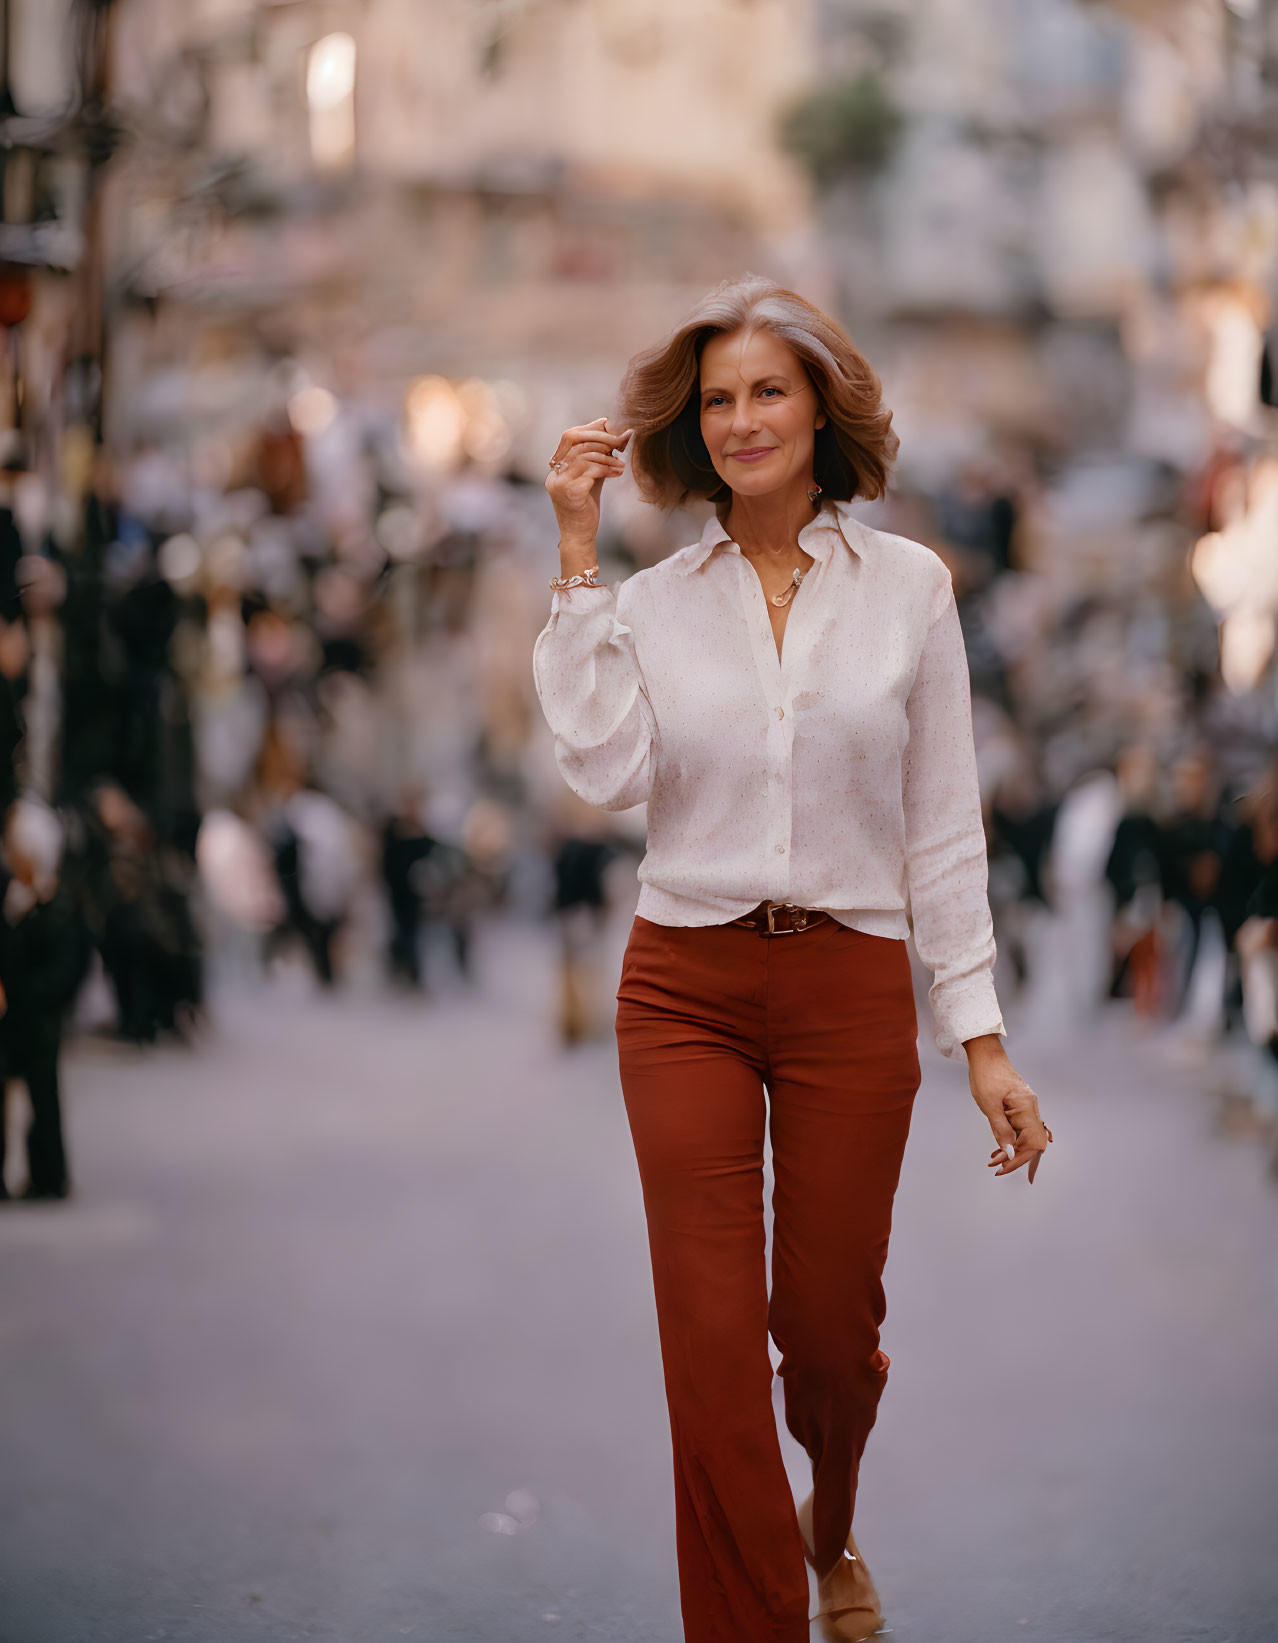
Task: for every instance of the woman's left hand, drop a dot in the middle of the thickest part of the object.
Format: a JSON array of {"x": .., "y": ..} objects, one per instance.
[{"x": 1010, "y": 1106}]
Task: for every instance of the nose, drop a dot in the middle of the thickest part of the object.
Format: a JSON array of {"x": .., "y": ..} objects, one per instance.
[{"x": 745, "y": 419}]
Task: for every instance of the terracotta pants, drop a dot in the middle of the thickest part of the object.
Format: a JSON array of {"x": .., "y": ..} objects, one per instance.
[{"x": 825, "y": 1019}]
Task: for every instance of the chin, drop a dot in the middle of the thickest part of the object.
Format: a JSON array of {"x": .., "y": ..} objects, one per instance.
[{"x": 750, "y": 481}]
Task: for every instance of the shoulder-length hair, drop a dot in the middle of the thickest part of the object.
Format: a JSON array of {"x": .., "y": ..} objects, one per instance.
[{"x": 660, "y": 399}]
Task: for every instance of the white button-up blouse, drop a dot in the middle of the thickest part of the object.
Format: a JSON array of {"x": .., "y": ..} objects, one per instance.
[{"x": 840, "y": 775}]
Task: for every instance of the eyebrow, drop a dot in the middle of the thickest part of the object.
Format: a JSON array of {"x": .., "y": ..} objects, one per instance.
[{"x": 771, "y": 376}]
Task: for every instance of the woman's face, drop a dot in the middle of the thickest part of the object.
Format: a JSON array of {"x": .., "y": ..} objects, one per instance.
[{"x": 759, "y": 412}]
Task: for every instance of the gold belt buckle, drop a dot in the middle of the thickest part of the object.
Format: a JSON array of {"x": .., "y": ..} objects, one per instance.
[{"x": 798, "y": 920}]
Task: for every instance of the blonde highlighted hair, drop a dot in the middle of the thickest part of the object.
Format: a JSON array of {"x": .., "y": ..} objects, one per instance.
[{"x": 659, "y": 397}]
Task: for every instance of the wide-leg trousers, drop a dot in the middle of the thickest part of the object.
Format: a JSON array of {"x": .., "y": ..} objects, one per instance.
[{"x": 824, "y": 1019}]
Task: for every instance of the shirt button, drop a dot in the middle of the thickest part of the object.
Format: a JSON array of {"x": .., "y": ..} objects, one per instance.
[
  {"x": 780, "y": 712},
  {"x": 780, "y": 849}
]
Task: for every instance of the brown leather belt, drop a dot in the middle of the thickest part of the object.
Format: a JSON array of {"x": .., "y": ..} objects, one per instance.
[{"x": 781, "y": 918}]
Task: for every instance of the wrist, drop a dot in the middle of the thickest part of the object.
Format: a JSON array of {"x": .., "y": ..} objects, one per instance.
[
  {"x": 577, "y": 554},
  {"x": 985, "y": 1050}
]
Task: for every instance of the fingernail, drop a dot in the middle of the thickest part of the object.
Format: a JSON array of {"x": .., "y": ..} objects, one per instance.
[{"x": 1010, "y": 1150}]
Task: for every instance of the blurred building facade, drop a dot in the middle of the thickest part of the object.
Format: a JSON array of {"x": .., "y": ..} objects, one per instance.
[{"x": 407, "y": 188}]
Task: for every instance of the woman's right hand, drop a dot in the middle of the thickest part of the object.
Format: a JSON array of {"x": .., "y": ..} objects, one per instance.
[{"x": 586, "y": 459}]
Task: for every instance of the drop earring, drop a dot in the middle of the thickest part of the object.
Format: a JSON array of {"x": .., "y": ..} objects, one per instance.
[{"x": 814, "y": 493}]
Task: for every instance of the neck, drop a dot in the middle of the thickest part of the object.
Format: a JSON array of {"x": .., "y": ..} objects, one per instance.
[{"x": 769, "y": 526}]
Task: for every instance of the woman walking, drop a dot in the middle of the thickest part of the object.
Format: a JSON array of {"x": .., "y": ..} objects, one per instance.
[{"x": 790, "y": 696}]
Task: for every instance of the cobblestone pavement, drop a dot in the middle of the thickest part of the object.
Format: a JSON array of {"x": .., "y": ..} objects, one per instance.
[{"x": 348, "y": 1335}]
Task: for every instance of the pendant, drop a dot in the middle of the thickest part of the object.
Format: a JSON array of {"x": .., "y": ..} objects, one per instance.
[{"x": 785, "y": 598}]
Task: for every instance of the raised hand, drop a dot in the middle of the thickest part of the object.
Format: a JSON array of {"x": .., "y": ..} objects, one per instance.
[{"x": 583, "y": 459}]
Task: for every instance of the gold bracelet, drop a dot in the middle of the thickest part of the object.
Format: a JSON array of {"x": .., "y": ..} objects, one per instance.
[{"x": 561, "y": 584}]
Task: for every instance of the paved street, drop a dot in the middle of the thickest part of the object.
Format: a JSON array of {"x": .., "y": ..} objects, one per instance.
[{"x": 348, "y": 1336}]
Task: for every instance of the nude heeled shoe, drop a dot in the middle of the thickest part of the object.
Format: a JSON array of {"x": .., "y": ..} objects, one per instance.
[{"x": 848, "y": 1608}]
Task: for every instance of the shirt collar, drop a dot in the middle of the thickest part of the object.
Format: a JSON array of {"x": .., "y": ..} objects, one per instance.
[{"x": 829, "y": 526}]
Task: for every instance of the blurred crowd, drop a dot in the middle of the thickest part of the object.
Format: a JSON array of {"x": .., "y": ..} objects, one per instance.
[
  {"x": 295, "y": 302},
  {"x": 246, "y": 725},
  {"x": 240, "y": 731},
  {"x": 1131, "y": 797}
]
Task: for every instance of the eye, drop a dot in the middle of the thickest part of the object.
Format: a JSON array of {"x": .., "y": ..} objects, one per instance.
[
  {"x": 772, "y": 390},
  {"x": 713, "y": 400}
]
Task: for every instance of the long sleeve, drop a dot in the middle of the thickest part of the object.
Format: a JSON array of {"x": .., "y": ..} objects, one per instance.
[
  {"x": 946, "y": 862},
  {"x": 591, "y": 692}
]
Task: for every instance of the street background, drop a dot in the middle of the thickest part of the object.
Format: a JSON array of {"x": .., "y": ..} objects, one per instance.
[{"x": 328, "y": 1312}]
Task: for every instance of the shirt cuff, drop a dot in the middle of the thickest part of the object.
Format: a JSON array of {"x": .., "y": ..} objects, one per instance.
[
  {"x": 967, "y": 1009},
  {"x": 580, "y": 601}
]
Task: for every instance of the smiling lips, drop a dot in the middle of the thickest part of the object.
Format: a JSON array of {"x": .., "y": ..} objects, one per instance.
[{"x": 753, "y": 453}]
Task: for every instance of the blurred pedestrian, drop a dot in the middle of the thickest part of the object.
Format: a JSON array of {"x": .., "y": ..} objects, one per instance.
[
  {"x": 139, "y": 902},
  {"x": 44, "y": 953},
  {"x": 15, "y": 653},
  {"x": 241, "y": 888},
  {"x": 1195, "y": 840},
  {"x": 1133, "y": 870},
  {"x": 795, "y": 812},
  {"x": 1241, "y": 872},
  {"x": 581, "y": 909},
  {"x": 406, "y": 848},
  {"x": 312, "y": 838},
  {"x": 1256, "y": 943},
  {"x": 1021, "y": 828}
]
